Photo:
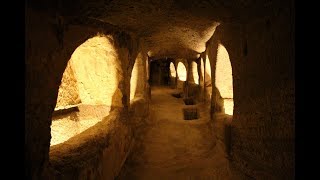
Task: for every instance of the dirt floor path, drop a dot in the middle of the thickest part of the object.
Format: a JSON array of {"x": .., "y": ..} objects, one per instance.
[{"x": 174, "y": 148}]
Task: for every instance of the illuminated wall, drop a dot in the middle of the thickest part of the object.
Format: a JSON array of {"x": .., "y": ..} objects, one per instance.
[
  {"x": 91, "y": 77},
  {"x": 138, "y": 77},
  {"x": 208, "y": 71},
  {"x": 68, "y": 93},
  {"x": 134, "y": 79},
  {"x": 202, "y": 68},
  {"x": 208, "y": 82},
  {"x": 182, "y": 72},
  {"x": 173, "y": 75},
  {"x": 97, "y": 69},
  {"x": 223, "y": 78},
  {"x": 194, "y": 69},
  {"x": 172, "y": 70}
]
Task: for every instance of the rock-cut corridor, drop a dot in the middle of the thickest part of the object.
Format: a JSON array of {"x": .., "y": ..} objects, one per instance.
[
  {"x": 174, "y": 148},
  {"x": 170, "y": 89}
]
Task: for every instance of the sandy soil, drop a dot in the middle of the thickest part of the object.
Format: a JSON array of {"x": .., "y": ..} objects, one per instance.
[{"x": 173, "y": 148}]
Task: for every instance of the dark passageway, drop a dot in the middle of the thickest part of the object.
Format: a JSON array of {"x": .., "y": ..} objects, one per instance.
[{"x": 172, "y": 89}]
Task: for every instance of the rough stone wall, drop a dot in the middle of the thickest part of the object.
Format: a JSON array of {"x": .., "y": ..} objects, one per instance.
[
  {"x": 68, "y": 90},
  {"x": 94, "y": 157},
  {"x": 127, "y": 48},
  {"x": 98, "y": 71},
  {"x": 73, "y": 123},
  {"x": 45, "y": 64},
  {"x": 139, "y": 116},
  {"x": 193, "y": 88},
  {"x": 262, "y": 56}
]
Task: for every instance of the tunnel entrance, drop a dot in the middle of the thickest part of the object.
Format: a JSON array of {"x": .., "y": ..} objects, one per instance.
[{"x": 160, "y": 72}]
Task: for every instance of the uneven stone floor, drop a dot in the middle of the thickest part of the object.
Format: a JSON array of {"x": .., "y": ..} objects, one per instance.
[{"x": 173, "y": 148}]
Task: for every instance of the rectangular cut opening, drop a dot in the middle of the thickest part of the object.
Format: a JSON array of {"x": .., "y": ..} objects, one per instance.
[{"x": 190, "y": 113}]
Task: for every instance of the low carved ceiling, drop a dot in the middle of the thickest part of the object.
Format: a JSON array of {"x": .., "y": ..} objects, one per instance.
[{"x": 168, "y": 28}]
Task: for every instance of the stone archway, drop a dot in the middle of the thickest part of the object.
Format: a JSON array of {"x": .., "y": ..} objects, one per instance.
[
  {"x": 223, "y": 79},
  {"x": 88, "y": 90}
]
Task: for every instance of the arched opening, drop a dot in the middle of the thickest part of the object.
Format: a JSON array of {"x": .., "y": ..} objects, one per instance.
[
  {"x": 137, "y": 77},
  {"x": 134, "y": 80},
  {"x": 182, "y": 72},
  {"x": 173, "y": 75},
  {"x": 88, "y": 90},
  {"x": 223, "y": 78},
  {"x": 182, "y": 75},
  {"x": 194, "y": 69},
  {"x": 172, "y": 70},
  {"x": 160, "y": 72}
]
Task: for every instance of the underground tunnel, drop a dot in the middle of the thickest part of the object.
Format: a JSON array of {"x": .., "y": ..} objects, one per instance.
[{"x": 167, "y": 89}]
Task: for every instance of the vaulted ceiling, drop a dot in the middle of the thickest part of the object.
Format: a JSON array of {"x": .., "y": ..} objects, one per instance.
[{"x": 169, "y": 28}]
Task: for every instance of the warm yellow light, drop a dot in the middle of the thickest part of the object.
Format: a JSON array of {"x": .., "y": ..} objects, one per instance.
[
  {"x": 62, "y": 130},
  {"x": 97, "y": 70},
  {"x": 228, "y": 106},
  {"x": 195, "y": 72},
  {"x": 68, "y": 94},
  {"x": 138, "y": 75},
  {"x": 202, "y": 68},
  {"x": 134, "y": 79},
  {"x": 65, "y": 127},
  {"x": 93, "y": 74},
  {"x": 182, "y": 72},
  {"x": 172, "y": 70},
  {"x": 207, "y": 79},
  {"x": 223, "y": 78},
  {"x": 208, "y": 69}
]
